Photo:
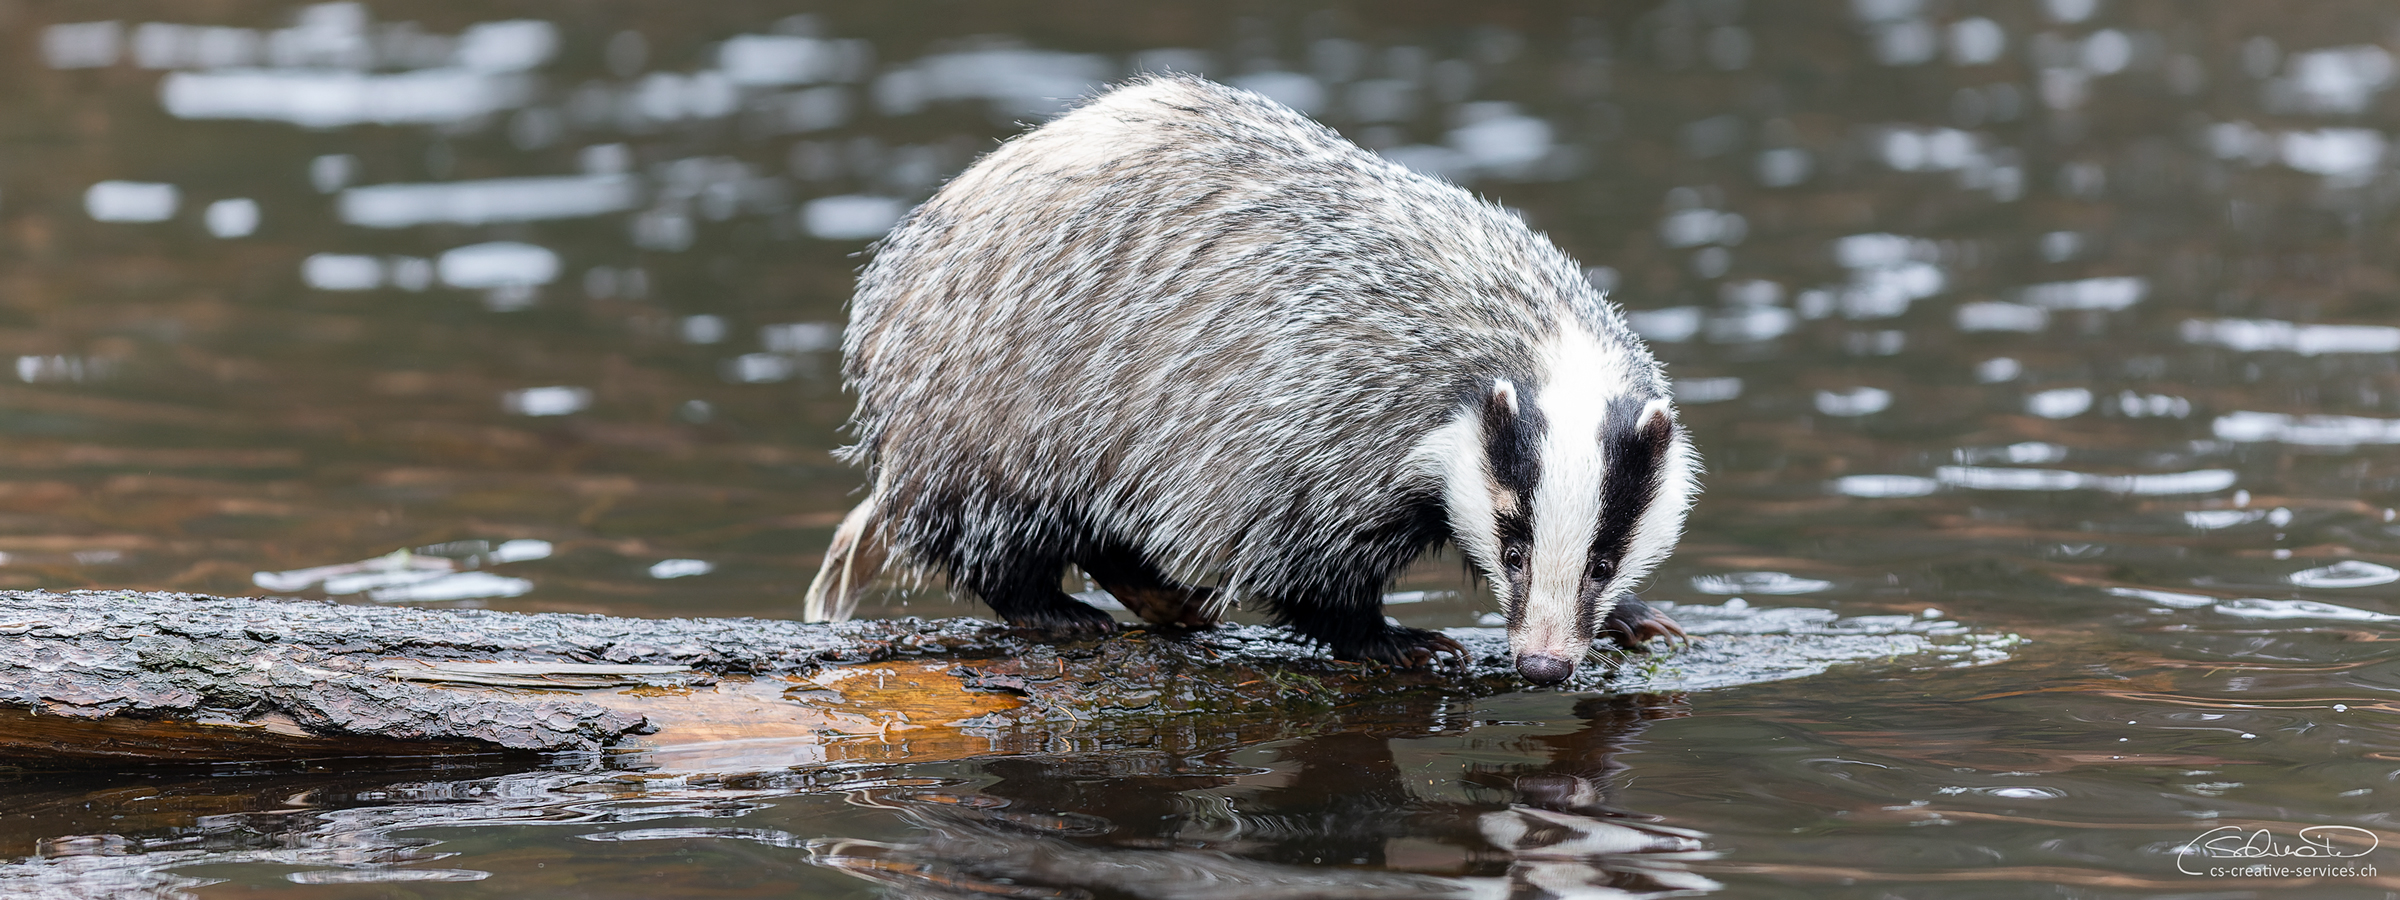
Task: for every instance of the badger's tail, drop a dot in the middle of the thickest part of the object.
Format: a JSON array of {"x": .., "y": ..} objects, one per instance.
[{"x": 857, "y": 554}]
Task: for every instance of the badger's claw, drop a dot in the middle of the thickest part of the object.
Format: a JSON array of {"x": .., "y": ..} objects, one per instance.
[
  {"x": 1633, "y": 624},
  {"x": 1407, "y": 648}
]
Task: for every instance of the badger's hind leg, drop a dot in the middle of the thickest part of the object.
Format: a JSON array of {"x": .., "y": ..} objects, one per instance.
[
  {"x": 1352, "y": 624},
  {"x": 1023, "y": 589},
  {"x": 1149, "y": 593},
  {"x": 1633, "y": 623},
  {"x": 857, "y": 554}
]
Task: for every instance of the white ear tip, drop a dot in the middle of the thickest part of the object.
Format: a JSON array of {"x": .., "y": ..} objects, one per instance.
[
  {"x": 1661, "y": 408},
  {"x": 1505, "y": 391}
]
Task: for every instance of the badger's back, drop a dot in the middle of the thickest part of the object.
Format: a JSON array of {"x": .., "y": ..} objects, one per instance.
[{"x": 1191, "y": 322}]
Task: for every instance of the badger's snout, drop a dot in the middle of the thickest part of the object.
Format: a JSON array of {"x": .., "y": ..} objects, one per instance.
[{"x": 1541, "y": 669}]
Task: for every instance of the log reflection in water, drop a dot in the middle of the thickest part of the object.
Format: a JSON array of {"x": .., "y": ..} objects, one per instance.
[{"x": 1334, "y": 817}]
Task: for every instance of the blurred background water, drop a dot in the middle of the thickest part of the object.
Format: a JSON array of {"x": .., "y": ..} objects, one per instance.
[{"x": 2071, "y": 318}]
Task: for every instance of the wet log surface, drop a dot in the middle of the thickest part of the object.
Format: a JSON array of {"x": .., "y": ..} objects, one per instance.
[{"x": 109, "y": 678}]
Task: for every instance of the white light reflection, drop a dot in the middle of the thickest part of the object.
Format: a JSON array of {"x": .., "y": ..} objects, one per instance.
[
  {"x": 1017, "y": 81},
  {"x": 1857, "y": 401},
  {"x": 2139, "y": 406},
  {"x": 1977, "y": 41},
  {"x": 1930, "y": 150},
  {"x": 332, "y": 99},
  {"x": 1751, "y": 324},
  {"x": 2349, "y": 573},
  {"x": 703, "y": 329},
  {"x": 38, "y": 369},
  {"x": 2345, "y": 156},
  {"x": 2215, "y": 519},
  {"x": 681, "y": 568},
  {"x": 497, "y": 264},
  {"x": 2306, "y": 340},
  {"x": 392, "y": 875},
  {"x": 237, "y": 217},
  {"x": 427, "y": 574},
  {"x": 1498, "y": 139},
  {"x": 342, "y": 272},
  {"x": 1992, "y": 315},
  {"x": 851, "y": 217},
  {"x": 2307, "y": 431},
  {"x": 1784, "y": 166},
  {"x": 161, "y": 45},
  {"x": 81, "y": 45},
  {"x": 1672, "y": 325},
  {"x": 131, "y": 201},
  {"x": 755, "y": 59},
  {"x": 2256, "y": 608},
  {"x": 2169, "y": 599},
  {"x": 2203, "y": 481},
  {"x": 2020, "y": 453},
  {"x": 547, "y": 401},
  {"x": 490, "y": 200},
  {"x": 1884, "y": 486},
  {"x": 2059, "y": 403},
  {"x": 801, "y": 337},
  {"x": 2338, "y": 80},
  {"x": 1707, "y": 390},
  {"x": 1695, "y": 227},
  {"x": 455, "y": 586},
  {"x": 759, "y": 368},
  {"x": 1887, "y": 273},
  {"x": 2107, "y": 294},
  {"x": 1777, "y": 583},
  {"x": 511, "y": 46},
  {"x": 519, "y": 550}
]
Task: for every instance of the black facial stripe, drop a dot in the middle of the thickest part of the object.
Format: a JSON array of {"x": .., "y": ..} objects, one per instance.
[
  {"x": 1512, "y": 444},
  {"x": 1512, "y": 447},
  {"x": 1635, "y": 464}
]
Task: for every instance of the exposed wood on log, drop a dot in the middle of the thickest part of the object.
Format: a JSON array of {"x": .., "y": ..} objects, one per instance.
[{"x": 102, "y": 678}]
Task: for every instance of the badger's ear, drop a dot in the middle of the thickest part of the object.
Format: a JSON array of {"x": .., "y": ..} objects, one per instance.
[
  {"x": 1509, "y": 432},
  {"x": 1656, "y": 425},
  {"x": 1638, "y": 439},
  {"x": 1500, "y": 403},
  {"x": 1502, "y": 428}
]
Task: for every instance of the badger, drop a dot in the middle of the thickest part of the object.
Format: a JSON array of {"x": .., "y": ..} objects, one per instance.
[{"x": 1209, "y": 352}]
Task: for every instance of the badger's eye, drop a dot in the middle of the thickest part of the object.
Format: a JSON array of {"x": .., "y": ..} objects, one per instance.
[{"x": 1513, "y": 557}]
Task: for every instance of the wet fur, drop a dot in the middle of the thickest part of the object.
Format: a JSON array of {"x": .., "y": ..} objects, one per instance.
[{"x": 1207, "y": 351}]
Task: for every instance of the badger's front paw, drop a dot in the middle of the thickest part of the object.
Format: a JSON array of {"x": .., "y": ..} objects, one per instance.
[
  {"x": 1407, "y": 648},
  {"x": 1064, "y": 621},
  {"x": 1633, "y": 623}
]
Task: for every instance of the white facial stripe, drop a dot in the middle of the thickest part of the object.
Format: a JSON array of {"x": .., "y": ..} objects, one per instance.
[
  {"x": 1581, "y": 375},
  {"x": 1454, "y": 455}
]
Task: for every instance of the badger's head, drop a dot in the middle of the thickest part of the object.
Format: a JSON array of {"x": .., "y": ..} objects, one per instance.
[{"x": 1565, "y": 489}]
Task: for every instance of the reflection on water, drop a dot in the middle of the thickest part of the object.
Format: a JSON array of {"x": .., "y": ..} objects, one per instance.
[
  {"x": 2069, "y": 318},
  {"x": 1347, "y": 811}
]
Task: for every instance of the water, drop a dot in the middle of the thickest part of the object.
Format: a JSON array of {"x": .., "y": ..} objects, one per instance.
[{"x": 2069, "y": 319}]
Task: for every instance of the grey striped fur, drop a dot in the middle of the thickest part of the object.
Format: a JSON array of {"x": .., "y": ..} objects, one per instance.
[{"x": 1188, "y": 326}]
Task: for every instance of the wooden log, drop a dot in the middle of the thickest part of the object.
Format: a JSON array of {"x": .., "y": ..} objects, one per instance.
[{"x": 99, "y": 678}]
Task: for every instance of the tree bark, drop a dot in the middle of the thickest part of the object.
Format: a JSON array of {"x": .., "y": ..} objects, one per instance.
[{"x": 99, "y": 678}]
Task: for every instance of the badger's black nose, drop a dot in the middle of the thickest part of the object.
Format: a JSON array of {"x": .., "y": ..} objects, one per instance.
[{"x": 1545, "y": 669}]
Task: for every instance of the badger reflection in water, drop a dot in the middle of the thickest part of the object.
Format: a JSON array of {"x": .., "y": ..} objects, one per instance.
[{"x": 1337, "y": 819}]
